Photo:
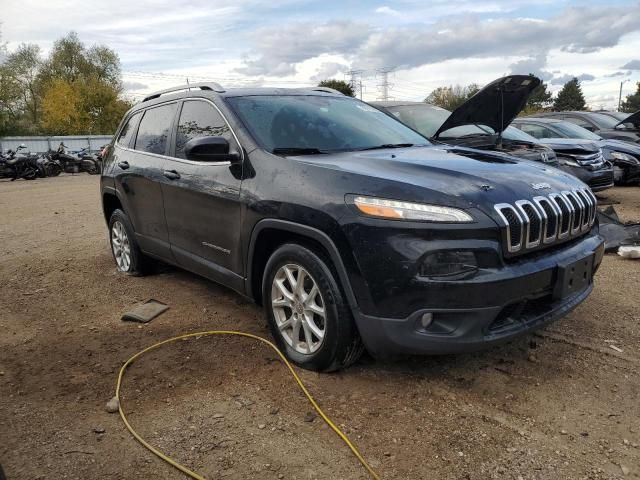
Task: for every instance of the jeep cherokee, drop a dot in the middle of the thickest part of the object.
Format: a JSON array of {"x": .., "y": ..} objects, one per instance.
[{"x": 351, "y": 229}]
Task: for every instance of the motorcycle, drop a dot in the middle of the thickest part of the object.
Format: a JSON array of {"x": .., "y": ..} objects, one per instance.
[
  {"x": 84, "y": 162},
  {"x": 14, "y": 165}
]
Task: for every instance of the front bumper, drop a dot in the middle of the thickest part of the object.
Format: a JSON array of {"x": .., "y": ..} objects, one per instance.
[
  {"x": 472, "y": 315},
  {"x": 597, "y": 180}
]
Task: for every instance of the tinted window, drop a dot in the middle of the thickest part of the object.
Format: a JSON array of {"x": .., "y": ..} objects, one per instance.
[
  {"x": 512, "y": 133},
  {"x": 199, "y": 119},
  {"x": 154, "y": 129},
  {"x": 326, "y": 123},
  {"x": 581, "y": 123},
  {"x": 128, "y": 131},
  {"x": 603, "y": 121},
  {"x": 537, "y": 131},
  {"x": 571, "y": 130}
]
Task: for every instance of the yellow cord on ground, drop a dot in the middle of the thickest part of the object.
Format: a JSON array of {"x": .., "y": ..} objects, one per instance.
[{"x": 184, "y": 469}]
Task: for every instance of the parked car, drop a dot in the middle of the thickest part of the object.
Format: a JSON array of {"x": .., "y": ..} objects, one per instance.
[
  {"x": 598, "y": 123},
  {"x": 624, "y": 156},
  {"x": 478, "y": 123},
  {"x": 628, "y": 121},
  {"x": 346, "y": 225}
]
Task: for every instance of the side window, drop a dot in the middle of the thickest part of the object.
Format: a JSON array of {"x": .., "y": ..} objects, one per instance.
[
  {"x": 154, "y": 129},
  {"x": 127, "y": 132},
  {"x": 581, "y": 122},
  {"x": 199, "y": 119},
  {"x": 535, "y": 130}
]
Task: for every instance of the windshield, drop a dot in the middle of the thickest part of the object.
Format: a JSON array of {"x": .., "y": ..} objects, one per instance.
[
  {"x": 571, "y": 130},
  {"x": 603, "y": 121},
  {"x": 516, "y": 135},
  {"x": 319, "y": 123},
  {"x": 427, "y": 119}
]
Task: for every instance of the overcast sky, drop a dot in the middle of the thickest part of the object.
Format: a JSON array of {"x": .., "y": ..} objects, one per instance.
[{"x": 295, "y": 43}]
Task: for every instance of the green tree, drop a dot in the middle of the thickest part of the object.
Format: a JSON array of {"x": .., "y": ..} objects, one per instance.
[
  {"x": 340, "y": 85},
  {"x": 539, "y": 100},
  {"x": 22, "y": 66},
  {"x": 570, "y": 97},
  {"x": 451, "y": 97},
  {"x": 632, "y": 102}
]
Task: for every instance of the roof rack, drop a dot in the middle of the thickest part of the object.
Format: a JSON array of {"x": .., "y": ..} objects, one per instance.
[
  {"x": 325, "y": 89},
  {"x": 211, "y": 86}
]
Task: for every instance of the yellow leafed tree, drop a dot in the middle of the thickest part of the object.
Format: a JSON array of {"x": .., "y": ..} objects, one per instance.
[{"x": 61, "y": 113}]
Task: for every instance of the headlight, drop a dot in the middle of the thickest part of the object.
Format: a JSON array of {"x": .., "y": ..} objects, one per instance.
[
  {"x": 396, "y": 210},
  {"x": 624, "y": 158},
  {"x": 568, "y": 161}
]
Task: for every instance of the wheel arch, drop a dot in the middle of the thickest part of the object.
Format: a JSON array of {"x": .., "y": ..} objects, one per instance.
[
  {"x": 110, "y": 203},
  {"x": 269, "y": 234}
]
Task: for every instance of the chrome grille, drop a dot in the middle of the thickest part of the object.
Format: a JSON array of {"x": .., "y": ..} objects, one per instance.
[{"x": 547, "y": 219}]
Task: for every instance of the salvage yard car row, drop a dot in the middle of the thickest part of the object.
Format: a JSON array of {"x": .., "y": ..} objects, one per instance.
[{"x": 600, "y": 148}]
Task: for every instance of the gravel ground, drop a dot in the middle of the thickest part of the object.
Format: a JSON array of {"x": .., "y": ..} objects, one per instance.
[{"x": 561, "y": 404}]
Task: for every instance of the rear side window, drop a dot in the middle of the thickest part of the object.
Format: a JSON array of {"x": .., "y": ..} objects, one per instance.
[
  {"x": 154, "y": 129},
  {"x": 128, "y": 131},
  {"x": 536, "y": 131},
  {"x": 199, "y": 119}
]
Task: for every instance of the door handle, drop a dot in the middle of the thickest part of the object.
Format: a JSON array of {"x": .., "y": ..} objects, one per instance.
[
  {"x": 123, "y": 165},
  {"x": 171, "y": 174}
]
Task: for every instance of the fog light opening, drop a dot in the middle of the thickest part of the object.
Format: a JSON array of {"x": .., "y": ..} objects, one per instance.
[{"x": 426, "y": 320}]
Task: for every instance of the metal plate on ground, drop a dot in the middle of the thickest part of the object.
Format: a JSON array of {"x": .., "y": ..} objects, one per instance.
[{"x": 146, "y": 312}]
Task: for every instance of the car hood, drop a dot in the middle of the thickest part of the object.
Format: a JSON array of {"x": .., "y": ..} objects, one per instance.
[
  {"x": 560, "y": 144},
  {"x": 454, "y": 176},
  {"x": 620, "y": 146},
  {"x": 634, "y": 118},
  {"x": 496, "y": 105}
]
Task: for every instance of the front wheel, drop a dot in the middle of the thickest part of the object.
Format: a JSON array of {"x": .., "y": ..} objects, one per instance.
[{"x": 307, "y": 312}]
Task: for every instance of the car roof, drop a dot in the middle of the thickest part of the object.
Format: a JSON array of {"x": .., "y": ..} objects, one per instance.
[
  {"x": 399, "y": 103},
  {"x": 215, "y": 90},
  {"x": 539, "y": 119}
]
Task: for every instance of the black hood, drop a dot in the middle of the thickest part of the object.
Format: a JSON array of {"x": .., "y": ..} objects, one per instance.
[
  {"x": 634, "y": 119},
  {"x": 496, "y": 105}
]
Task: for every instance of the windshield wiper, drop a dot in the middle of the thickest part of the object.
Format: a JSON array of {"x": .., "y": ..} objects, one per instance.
[
  {"x": 297, "y": 151},
  {"x": 389, "y": 145}
]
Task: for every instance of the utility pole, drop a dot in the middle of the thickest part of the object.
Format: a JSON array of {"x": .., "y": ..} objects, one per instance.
[
  {"x": 354, "y": 82},
  {"x": 384, "y": 84},
  {"x": 620, "y": 96}
]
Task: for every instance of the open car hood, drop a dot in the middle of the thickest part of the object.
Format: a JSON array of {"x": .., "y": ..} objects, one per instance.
[
  {"x": 496, "y": 105},
  {"x": 634, "y": 119}
]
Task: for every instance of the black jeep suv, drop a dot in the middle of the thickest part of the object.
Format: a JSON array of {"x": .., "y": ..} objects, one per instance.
[{"x": 349, "y": 227}]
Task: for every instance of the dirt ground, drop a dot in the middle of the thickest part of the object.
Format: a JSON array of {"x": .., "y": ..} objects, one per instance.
[{"x": 563, "y": 404}]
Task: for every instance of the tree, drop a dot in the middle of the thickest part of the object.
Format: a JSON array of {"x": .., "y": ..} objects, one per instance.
[
  {"x": 539, "y": 100},
  {"x": 61, "y": 113},
  {"x": 451, "y": 97},
  {"x": 632, "y": 102},
  {"x": 82, "y": 107},
  {"x": 340, "y": 85},
  {"x": 22, "y": 66},
  {"x": 570, "y": 97}
]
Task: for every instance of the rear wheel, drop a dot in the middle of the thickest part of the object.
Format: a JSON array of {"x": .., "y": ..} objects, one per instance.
[
  {"x": 126, "y": 252},
  {"x": 306, "y": 311}
]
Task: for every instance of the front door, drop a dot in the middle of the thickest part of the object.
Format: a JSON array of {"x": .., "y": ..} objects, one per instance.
[{"x": 202, "y": 199}]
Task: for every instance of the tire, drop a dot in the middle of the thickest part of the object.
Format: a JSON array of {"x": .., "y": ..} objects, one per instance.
[
  {"x": 312, "y": 326},
  {"x": 124, "y": 248}
]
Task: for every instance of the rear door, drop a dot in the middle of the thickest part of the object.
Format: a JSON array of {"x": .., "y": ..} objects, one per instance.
[
  {"x": 202, "y": 199},
  {"x": 138, "y": 169}
]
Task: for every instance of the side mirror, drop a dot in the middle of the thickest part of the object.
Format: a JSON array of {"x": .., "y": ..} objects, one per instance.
[{"x": 210, "y": 149}]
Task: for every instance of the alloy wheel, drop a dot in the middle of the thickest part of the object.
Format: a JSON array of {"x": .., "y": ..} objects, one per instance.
[
  {"x": 298, "y": 309},
  {"x": 120, "y": 246}
]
